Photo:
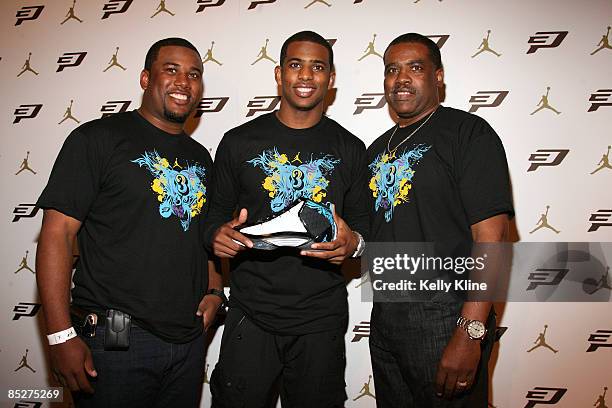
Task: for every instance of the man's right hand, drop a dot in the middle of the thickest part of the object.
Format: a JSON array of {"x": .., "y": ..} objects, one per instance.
[
  {"x": 71, "y": 363},
  {"x": 224, "y": 240}
]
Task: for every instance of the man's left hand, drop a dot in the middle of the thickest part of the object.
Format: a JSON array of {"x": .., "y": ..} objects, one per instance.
[
  {"x": 207, "y": 309},
  {"x": 458, "y": 366},
  {"x": 340, "y": 248}
]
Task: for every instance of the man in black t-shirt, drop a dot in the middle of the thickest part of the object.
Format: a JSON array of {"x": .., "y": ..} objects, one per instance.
[
  {"x": 439, "y": 176},
  {"x": 133, "y": 191},
  {"x": 288, "y": 308}
]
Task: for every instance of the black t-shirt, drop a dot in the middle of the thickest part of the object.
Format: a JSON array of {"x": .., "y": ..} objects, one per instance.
[
  {"x": 142, "y": 196},
  {"x": 264, "y": 166},
  {"x": 451, "y": 174}
]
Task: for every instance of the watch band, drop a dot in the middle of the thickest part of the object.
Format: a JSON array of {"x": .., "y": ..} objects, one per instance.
[
  {"x": 465, "y": 323},
  {"x": 61, "y": 336},
  {"x": 360, "y": 246},
  {"x": 221, "y": 294}
]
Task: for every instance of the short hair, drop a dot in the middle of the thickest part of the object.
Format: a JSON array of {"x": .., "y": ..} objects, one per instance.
[
  {"x": 154, "y": 50},
  {"x": 434, "y": 50},
  {"x": 309, "y": 36}
]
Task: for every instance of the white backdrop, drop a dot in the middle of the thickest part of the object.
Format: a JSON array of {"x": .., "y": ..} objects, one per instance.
[{"x": 561, "y": 35}]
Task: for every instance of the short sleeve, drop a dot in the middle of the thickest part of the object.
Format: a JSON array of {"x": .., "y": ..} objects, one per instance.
[
  {"x": 75, "y": 178},
  {"x": 484, "y": 181}
]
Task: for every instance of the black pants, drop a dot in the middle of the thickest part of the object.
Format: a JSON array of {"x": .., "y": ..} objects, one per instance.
[
  {"x": 255, "y": 366},
  {"x": 151, "y": 373},
  {"x": 406, "y": 344}
]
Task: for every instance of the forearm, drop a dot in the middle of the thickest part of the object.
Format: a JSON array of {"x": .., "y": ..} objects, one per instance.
[
  {"x": 54, "y": 267},
  {"x": 215, "y": 278},
  {"x": 53, "y": 276},
  {"x": 491, "y": 230}
]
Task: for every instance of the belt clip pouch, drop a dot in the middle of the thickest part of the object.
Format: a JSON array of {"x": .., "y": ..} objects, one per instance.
[{"x": 117, "y": 330}]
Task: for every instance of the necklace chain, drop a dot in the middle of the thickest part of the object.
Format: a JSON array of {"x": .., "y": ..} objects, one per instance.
[{"x": 392, "y": 152}]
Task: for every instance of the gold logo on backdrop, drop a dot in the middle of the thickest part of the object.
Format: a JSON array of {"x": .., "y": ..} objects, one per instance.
[
  {"x": 541, "y": 342},
  {"x": 365, "y": 390},
  {"x": 24, "y": 363},
  {"x": 113, "y": 61},
  {"x": 24, "y": 261},
  {"x": 591, "y": 285},
  {"x": 604, "y": 162},
  {"x": 317, "y": 1},
  {"x": 484, "y": 46},
  {"x": 370, "y": 49},
  {"x": 543, "y": 222},
  {"x": 162, "y": 8},
  {"x": 543, "y": 104},
  {"x": 71, "y": 15},
  {"x": 263, "y": 54},
  {"x": 604, "y": 42},
  {"x": 26, "y": 66},
  {"x": 601, "y": 400},
  {"x": 68, "y": 114},
  {"x": 25, "y": 166},
  {"x": 209, "y": 55}
]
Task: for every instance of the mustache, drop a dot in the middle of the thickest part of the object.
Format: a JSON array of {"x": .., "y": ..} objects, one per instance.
[{"x": 404, "y": 89}]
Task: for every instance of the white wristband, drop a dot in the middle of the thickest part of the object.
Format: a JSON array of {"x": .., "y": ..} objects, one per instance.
[{"x": 61, "y": 336}]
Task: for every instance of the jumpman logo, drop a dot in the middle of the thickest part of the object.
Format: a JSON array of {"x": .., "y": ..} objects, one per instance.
[
  {"x": 297, "y": 158},
  {"x": 591, "y": 286},
  {"x": 541, "y": 342},
  {"x": 317, "y": 1},
  {"x": 365, "y": 390},
  {"x": 26, "y": 66},
  {"x": 543, "y": 222},
  {"x": 162, "y": 7},
  {"x": 604, "y": 42},
  {"x": 601, "y": 400},
  {"x": 113, "y": 61},
  {"x": 68, "y": 114},
  {"x": 24, "y": 363},
  {"x": 263, "y": 54},
  {"x": 206, "y": 381},
  {"x": 176, "y": 164},
  {"x": 71, "y": 14},
  {"x": 543, "y": 104},
  {"x": 24, "y": 264},
  {"x": 25, "y": 165},
  {"x": 604, "y": 162},
  {"x": 484, "y": 46},
  {"x": 209, "y": 55},
  {"x": 370, "y": 49}
]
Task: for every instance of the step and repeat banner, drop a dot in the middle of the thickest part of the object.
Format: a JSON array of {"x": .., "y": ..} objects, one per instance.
[{"x": 538, "y": 72}]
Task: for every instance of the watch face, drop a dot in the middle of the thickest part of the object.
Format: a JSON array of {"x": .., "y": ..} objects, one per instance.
[{"x": 476, "y": 329}]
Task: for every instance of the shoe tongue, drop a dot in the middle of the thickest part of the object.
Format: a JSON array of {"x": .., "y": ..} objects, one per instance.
[{"x": 315, "y": 222}]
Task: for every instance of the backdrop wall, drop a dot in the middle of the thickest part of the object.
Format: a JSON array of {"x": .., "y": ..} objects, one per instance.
[{"x": 539, "y": 72}]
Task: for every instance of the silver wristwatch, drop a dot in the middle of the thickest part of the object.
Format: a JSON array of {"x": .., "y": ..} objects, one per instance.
[
  {"x": 475, "y": 329},
  {"x": 360, "y": 246}
]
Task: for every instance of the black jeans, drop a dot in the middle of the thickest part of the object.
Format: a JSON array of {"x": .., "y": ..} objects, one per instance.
[
  {"x": 255, "y": 366},
  {"x": 150, "y": 373},
  {"x": 406, "y": 344}
]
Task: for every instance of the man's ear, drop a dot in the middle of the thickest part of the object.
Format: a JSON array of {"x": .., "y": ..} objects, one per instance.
[
  {"x": 332, "y": 80},
  {"x": 144, "y": 79},
  {"x": 278, "y": 75}
]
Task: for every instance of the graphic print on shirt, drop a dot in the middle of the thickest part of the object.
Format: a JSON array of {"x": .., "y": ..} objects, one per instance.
[
  {"x": 287, "y": 182},
  {"x": 180, "y": 189},
  {"x": 392, "y": 178}
]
